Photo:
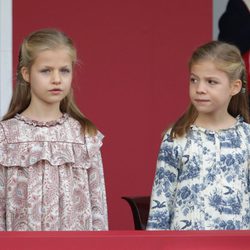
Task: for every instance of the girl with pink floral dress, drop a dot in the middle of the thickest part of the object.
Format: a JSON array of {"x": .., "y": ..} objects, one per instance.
[{"x": 51, "y": 173}]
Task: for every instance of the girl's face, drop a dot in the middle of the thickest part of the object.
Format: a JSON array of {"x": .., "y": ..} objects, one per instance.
[
  {"x": 50, "y": 77},
  {"x": 210, "y": 89}
]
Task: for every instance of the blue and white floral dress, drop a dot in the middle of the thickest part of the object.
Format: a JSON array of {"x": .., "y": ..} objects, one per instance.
[{"x": 202, "y": 181}]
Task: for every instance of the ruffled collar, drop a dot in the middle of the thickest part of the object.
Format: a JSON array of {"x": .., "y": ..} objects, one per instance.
[
  {"x": 35, "y": 123},
  {"x": 239, "y": 120}
]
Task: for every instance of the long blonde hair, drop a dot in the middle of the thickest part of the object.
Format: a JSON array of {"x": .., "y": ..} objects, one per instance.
[
  {"x": 227, "y": 58},
  {"x": 38, "y": 41}
]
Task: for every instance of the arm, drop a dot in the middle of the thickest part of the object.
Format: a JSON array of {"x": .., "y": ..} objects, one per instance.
[
  {"x": 2, "y": 199},
  {"x": 98, "y": 193},
  {"x": 2, "y": 185},
  {"x": 164, "y": 187}
]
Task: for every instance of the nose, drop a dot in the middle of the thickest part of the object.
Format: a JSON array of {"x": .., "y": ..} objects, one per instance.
[
  {"x": 200, "y": 88},
  {"x": 56, "y": 77}
]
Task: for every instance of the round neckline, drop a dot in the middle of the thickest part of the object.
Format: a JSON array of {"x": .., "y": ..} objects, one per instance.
[
  {"x": 36, "y": 123},
  {"x": 239, "y": 119}
]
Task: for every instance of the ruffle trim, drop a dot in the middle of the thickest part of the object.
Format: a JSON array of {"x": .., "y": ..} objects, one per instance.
[
  {"x": 239, "y": 121},
  {"x": 25, "y": 154},
  {"x": 35, "y": 123}
]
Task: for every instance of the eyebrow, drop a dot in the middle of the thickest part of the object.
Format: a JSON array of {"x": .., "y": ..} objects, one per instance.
[
  {"x": 192, "y": 74},
  {"x": 64, "y": 66},
  {"x": 206, "y": 77}
]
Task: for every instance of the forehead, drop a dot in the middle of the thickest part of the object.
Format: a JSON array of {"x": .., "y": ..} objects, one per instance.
[
  {"x": 206, "y": 66},
  {"x": 60, "y": 55}
]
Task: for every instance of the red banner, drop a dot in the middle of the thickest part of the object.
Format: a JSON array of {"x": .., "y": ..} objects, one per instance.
[{"x": 126, "y": 240}]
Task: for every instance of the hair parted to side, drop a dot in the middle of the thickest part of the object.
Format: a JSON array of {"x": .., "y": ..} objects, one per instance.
[
  {"x": 36, "y": 42},
  {"x": 226, "y": 58}
]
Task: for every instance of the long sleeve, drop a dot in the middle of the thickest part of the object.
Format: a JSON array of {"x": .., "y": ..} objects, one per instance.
[
  {"x": 98, "y": 193},
  {"x": 2, "y": 200},
  {"x": 164, "y": 187},
  {"x": 51, "y": 177},
  {"x": 2, "y": 186}
]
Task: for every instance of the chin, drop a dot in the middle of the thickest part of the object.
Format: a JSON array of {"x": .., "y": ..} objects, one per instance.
[{"x": 204, "y": 110}]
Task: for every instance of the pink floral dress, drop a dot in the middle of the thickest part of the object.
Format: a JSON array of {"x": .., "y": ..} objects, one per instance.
[{"x": 51, "y": 176}]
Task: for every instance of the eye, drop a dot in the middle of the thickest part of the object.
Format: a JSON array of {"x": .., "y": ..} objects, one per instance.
[
  {"x": 45, "y": 71},
  {"x": 212, "y": 82},
  {"x": 193, "y": 80},
  {"x": 65, "y": 70}
]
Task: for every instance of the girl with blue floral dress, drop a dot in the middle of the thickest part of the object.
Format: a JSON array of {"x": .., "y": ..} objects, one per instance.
[{"x": 202, "y": 174}]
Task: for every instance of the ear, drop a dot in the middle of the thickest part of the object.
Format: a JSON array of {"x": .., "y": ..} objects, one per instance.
[
  {"x": 25, "y": 74},
  {"x": 236, "y": 87}
]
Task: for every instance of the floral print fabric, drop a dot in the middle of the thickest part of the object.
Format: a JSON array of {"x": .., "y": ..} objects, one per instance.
[
  {"x": 202, "y": 181},
  {"x": 51, "y": 176}
]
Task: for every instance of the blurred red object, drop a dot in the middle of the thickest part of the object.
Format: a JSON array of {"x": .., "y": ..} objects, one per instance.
[{"x": 246, "y": 58}]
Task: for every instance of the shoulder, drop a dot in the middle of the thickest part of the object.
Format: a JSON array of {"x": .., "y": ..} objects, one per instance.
[
  {"x": 71, "y": 129},
  {"x": 94, "y": 139},
  {"x": 245, "y": 124},
  {"x": 171, "y": 150},
  {"x": 234, "y": 5},
  {"x": 246, "y": 127},
  {"x": 7, "y": 127},
  {"x": 172, "y": 147},
  {"x": 242, "y": 130},
  {"x": 237, "y": 5},
  {"x": 2, "y": 134},
  {"x": 93, "y": 142},
  {"x": 177, "y": 141},
  {"x": 236, "y": 11},
  {"x": 75, "y": 126},
  {"x": 72, "y": 122}
]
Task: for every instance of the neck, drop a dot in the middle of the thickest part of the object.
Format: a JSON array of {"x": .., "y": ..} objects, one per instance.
[
  {"x": 44, "y": 113},
  {"x": 215, "y": 123}
]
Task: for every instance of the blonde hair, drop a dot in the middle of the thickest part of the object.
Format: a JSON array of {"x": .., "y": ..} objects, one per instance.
[
  {"x": 38, "y": 41},
  {"x": 227, "y": 58}
]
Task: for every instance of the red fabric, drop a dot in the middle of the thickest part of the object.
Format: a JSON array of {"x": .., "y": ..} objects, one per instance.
[
  {"x": 126, "y": 240},
  {"x": 246, "y": 58},
  {"x": 132, "y": 81}
]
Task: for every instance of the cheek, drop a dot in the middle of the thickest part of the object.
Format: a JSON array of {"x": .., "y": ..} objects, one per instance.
[
  {"x": 68, "y": 87},
  {"x": 191, "y": 90},
  {"x": 38, "y": 79},
  {"x": 69, "y": 80},
  {"x": 69, "y": 83}
]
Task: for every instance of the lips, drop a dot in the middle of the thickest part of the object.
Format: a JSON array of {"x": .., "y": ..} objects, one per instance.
[
  {"x": 201, "y": 100},
  {"x": 55, "y": 91}
]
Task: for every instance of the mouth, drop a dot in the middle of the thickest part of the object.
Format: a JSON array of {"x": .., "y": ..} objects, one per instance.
[
  {"x": 201, "y": 100},
  {"x": 55, "y": 91}
]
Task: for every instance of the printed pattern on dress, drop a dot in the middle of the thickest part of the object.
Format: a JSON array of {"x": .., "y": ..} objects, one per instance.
[
  {"x": 202, "y": 181},
  {"x": 51, "y": 177}
]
